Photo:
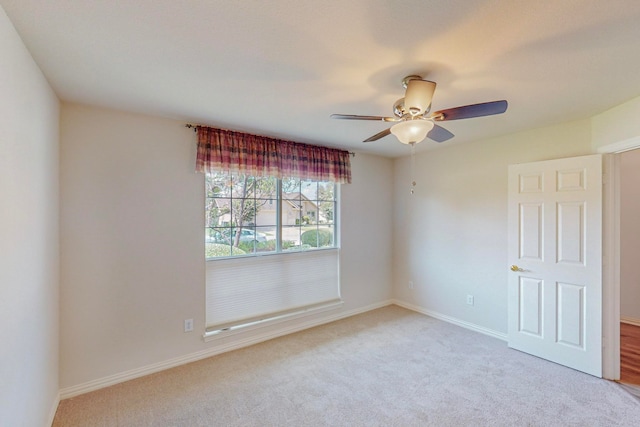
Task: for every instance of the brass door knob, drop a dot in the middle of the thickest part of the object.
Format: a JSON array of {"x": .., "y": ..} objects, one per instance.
[{"x": 516, "y": 268}]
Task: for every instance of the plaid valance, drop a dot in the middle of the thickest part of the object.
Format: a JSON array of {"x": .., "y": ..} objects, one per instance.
[{"x": 255, "y": 155}]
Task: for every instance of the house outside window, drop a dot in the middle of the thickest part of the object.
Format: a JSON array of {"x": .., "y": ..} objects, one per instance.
[{"x": 247, "y": 215}]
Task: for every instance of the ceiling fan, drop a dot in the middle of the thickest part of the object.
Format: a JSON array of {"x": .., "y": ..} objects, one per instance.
[{"x": 414, "y": 123}]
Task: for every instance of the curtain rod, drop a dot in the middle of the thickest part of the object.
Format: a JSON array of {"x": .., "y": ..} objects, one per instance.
[{"x": 195, "y": 129}]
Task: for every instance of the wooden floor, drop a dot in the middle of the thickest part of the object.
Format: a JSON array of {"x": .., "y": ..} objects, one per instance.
[{"x": 629, "y": 354}]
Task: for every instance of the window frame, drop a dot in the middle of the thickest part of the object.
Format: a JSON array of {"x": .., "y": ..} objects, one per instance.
[{"x": 279, "y": 226}]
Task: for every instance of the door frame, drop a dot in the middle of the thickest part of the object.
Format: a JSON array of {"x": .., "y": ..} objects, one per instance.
[{"x": 611, "y": 256}]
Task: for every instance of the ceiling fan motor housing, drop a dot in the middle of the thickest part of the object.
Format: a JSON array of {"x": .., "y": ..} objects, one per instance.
[{"x": 417, "y": 99}]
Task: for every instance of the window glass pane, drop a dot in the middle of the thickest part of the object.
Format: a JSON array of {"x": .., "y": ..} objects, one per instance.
[
  {"x": 326, "y": 237},
  {"x": 308, "y": 211},
  {"x": 317, "y": 237},
  {"x": 218, "y": 184},
  {"x": 248, "y": 186},
  {"x": 311, "y": 214},
  {"x": 309, "y": 189},
  {"x": 247, "y": 239},
  {"x": 290, "y": 209},
  {"x": 326, "y": 212},
  {"x": 243, "y": 212},
  {"x": 290, "y": 185},
  {"x": 292, "y": 236},
  {"x": 218, "y": 212},
  {"x": 215, "y": 235},
  {"x": 326, "y": 202},
  {"x": 213, "y": 250},
  {"x": 211, "y": 213},
  {"x": 265, "y": 188},
  {"x": 239, "y": 186},
  {"x": 308, "y": 237},
  {"x": 266, "y": 213},
  {"x": 219, "y": 242},
  {"x": 266, "y": 239}
]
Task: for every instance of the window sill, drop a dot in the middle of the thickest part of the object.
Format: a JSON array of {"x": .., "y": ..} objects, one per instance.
[
  {"x": 272, "y": 253},
  {"x": 244, "y": 328}
]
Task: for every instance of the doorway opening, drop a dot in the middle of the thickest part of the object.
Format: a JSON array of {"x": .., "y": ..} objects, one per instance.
[
  {"x": 629, "y": 254},
  {"x": 630, "y": 354}
]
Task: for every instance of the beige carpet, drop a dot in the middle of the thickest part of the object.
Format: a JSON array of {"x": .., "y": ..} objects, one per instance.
[{"x": 388, "y": 367}]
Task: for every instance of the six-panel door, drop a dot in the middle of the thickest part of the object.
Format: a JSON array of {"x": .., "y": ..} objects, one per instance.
[{"x": 555, "y": 261}]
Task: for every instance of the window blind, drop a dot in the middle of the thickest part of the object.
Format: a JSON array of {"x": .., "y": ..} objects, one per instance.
[{"x": 245, "y": 290}]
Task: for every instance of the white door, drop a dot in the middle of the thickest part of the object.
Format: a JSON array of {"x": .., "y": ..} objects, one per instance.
[{"x": 555, "y": 261}]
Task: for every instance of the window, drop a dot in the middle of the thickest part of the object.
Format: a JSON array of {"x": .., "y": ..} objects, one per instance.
[
  {"x": 290, "y": 219},
  {"x": 253, "y": 209},
  {"x": 247, "y": 215}
]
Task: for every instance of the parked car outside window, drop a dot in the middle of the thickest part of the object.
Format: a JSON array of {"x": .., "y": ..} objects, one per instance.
[{"x": 229, "y": 234}]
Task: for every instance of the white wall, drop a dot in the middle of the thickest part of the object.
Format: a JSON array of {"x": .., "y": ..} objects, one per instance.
[
  {"x": 131, "y": 242},
  {"x": 630, "y": 235},
  {"x": 132, "y": 266},
  {"x": 450, "y": 237},
  {"x": 366, "y": 232},
  {"x": 617, "y": 126},
  {"x": 29, "y": 242}
]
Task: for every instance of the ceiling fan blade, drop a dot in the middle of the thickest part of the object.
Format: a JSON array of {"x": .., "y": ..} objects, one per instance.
[
  {"x": 418, "y": 96},
  {"x": 469, "y": 111},
  {"x": 439, "y": 134},
  {"x": 356, "y": 117},
  {"x": 378, "y": 135}
]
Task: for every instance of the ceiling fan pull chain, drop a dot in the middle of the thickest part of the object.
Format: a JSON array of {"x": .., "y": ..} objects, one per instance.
[{"x": 413, "y": 166}]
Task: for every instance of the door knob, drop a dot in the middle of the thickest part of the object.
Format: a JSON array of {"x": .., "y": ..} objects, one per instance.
[{"x": 516, "y": 268}]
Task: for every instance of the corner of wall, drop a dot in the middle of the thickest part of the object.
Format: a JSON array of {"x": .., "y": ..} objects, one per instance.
[
  {"x": 616, "y": 129},
  {"x": 29, "y": 265}
]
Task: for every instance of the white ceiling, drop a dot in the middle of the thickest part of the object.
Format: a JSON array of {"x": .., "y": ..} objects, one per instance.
[{"x": 279, "y": 68}]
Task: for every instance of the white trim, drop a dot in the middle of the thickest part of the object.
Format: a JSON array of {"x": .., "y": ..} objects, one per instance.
[
  {"x": 263, "y": 323},
  {"x": 611, "y": 237},
  {"x": 464, "y": 324},
  {"x": 89, "y": 386},
  {"x": 621, "y": 146},
  {"x": 611, "y": 268},
  {"x": 54, "y": 408},
  {"x": 630, "y": 320}
]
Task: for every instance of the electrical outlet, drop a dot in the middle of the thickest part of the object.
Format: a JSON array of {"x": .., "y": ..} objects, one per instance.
[
  {"x": 410, "y": 284},
  {"x": 188, "y": 325},
  {"x": 470, "y": 299}
]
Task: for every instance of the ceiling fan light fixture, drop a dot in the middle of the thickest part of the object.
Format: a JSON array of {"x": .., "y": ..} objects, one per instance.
[{"x": 412, "y": 131}]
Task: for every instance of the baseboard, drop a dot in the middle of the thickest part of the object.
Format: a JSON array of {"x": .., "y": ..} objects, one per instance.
[
  {"x": 453, "y": 320},
  {"x": 630, "y": 320},
  {"x": 110, "y": 380},
  {"x": 54, "y": 408}
]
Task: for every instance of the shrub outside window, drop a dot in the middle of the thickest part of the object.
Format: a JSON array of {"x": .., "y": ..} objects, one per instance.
[{"x": 247, "y": 215}]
